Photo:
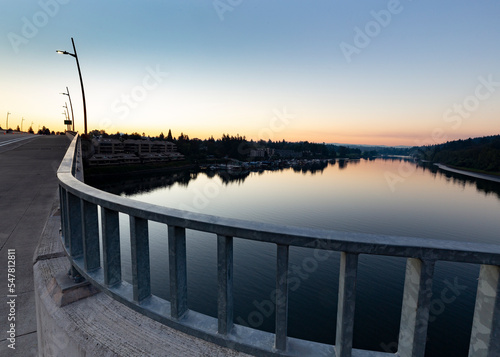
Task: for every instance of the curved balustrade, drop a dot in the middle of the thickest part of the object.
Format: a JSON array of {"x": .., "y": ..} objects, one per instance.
[{"x": 80, "y": 234}]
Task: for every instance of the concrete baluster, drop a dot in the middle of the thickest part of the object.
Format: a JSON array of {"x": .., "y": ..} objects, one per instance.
[
  {"x": 417, "y": 296},
  {"x": 225, "y": 283},
  {"x": 91, "y": 249},
  {"x": 139, "y": 249},
  {"x": 64, "y": 216},
  {"x": 111, "y": 246},
  {"x": 75, "y": 225},
  {"x": 346, "y": 304},
  {"x": 178, "y": 270},
  {"x": 281, "y": 297},
  {"x": 485, "y": 336}
]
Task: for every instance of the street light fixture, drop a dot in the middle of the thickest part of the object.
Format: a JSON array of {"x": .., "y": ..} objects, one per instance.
[
  {"x": 71, "y": 106},
  {"x": 66, "y": 106},
  {"x": 75, "y": 55}
]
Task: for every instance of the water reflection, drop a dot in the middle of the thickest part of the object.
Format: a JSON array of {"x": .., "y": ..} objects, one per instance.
[
  {"x": 346, "y": 195},
  {"x": 146, "y": 182},
  {"x": 343, "y": 163},
  {"x": 485, "y": 186}
]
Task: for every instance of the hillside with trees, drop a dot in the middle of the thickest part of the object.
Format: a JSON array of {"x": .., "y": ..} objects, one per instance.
[{"x": 479, "y": 154}]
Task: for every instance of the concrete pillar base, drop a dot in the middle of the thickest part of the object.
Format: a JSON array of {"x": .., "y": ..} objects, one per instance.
[{"x": 64, "y": 290}]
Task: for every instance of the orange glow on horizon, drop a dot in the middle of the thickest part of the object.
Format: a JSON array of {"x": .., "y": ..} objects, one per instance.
[
  {"x": 375, "y": 139},
  {"x": 343, "y": 132}
]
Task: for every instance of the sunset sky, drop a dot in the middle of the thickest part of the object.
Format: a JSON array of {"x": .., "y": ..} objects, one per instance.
[{"x": 365, "y": 72}]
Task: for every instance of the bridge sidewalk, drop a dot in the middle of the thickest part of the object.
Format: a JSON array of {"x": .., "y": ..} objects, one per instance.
[{"x": 28, "y": 189}]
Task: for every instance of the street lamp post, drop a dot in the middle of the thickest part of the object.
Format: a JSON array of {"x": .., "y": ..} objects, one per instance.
[
  {"x": 75, "y": 55},
  {"x": 66, "y": 106},
  {"x": 71, "y": 106},
  {"x": 66, "y": 118},
  {"x": 67, "y": 115},
  {"x": 22, "y": 124},
  {"x": 7, "y": 122}
]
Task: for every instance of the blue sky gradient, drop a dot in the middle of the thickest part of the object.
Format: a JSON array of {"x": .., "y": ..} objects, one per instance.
[{"x": 232, "y": 68}]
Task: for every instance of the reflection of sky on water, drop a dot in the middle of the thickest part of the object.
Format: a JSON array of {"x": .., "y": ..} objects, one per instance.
[{"x": 358, "y": 197}]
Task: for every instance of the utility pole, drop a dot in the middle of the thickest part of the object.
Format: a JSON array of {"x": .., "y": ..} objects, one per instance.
[
  {"x": 22, "y": 124},
  {"x": 7, "y": 122}
]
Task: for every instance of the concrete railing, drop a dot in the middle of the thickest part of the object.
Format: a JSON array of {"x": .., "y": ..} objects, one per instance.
[{"x": 81, "y": 238}]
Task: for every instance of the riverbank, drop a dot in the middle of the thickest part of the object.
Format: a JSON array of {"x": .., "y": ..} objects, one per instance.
[{"x": 469, "y": 173}]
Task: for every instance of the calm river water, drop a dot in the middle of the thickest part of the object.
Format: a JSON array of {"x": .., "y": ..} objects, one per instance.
[{"x": 386, "y": 196}]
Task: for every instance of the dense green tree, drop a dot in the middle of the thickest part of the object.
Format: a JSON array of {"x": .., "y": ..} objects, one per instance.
[{"x": 479, "y": 153}]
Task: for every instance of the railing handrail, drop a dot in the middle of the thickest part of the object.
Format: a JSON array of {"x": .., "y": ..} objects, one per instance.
[{"x": 81, "y": 200}]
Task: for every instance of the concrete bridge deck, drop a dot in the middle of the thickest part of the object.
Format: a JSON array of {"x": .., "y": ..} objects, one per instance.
[{"x": 28, "y": 189}]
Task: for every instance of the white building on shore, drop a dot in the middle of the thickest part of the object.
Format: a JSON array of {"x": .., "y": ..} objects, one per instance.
[{"x": 114, "y": 152}]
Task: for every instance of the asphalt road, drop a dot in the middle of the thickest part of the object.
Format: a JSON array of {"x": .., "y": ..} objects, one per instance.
[
  {"x": 12, "y": 141},
  {"x": 28, "y": 191}
]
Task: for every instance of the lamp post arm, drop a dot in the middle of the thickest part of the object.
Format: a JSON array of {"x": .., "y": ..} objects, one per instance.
[{"x": 81, "y": 83}]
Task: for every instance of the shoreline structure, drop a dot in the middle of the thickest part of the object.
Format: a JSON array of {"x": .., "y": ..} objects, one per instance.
[{"x": 470, "y": 173}]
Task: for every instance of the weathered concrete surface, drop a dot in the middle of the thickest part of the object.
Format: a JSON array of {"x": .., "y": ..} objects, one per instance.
[
  {"x": 28, "y": 188},
  {"x": 485, "y": 336},
  {"x": 98, "y": 325},
  {"x": 417, "y": 295}
]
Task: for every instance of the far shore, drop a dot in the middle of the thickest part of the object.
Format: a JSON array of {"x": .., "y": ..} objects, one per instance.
[{"x": 470, "y": 173}]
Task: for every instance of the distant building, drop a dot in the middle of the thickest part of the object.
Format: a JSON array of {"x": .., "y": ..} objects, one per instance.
[
  {"x": 262, "y": 152},
  {"x": 108, "y": 146},
  {"x": 288, "y": 153},
  {"x": 267, "y": 152},
  {"x": 110, "y": 159},
  {"x": 114, "y": 152}
]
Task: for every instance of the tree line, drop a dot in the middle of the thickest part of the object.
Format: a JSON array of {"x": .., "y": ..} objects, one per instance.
[
  {"x": 240, "y": 148},
  {"x": 42, "y": 131},
  {"x": 481, "y": 153}
]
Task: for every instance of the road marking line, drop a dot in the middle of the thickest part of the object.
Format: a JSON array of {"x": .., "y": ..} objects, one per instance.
[{"x": 14, "y": 141}]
